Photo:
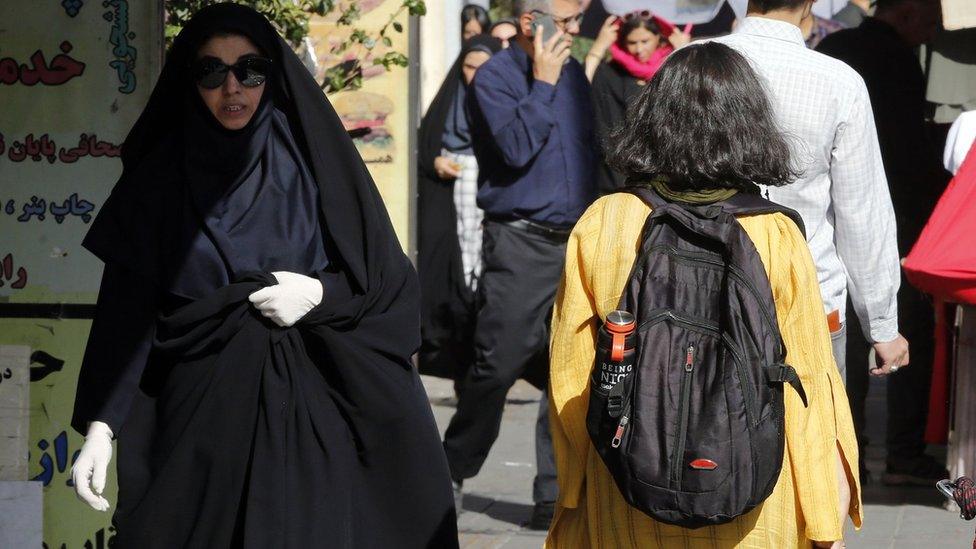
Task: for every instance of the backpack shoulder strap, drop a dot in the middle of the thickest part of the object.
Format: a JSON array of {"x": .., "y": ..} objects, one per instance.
[
  {"x": 646, "y": 194},
  {"x": 742, "y": 204}
]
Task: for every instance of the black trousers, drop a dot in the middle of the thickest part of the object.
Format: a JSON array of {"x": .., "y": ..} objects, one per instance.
[
  {"x": 908, "y": 389},
  {"x": 517, "y": 287}
]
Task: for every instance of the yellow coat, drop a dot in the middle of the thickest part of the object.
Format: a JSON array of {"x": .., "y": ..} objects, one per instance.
[{"x": 804, "y": 504}]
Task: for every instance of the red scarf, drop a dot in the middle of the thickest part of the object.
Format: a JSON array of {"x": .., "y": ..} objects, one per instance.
[{"x": 642, "y": 70}]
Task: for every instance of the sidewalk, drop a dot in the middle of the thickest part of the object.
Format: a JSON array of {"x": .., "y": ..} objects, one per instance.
[{"x": 499, "y": 500}]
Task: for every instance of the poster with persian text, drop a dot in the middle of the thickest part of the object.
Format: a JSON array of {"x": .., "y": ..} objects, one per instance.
[{"x": 74, "y": 76}]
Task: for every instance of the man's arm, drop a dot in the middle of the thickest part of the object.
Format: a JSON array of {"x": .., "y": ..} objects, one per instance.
[
  {"x": 864, "y": 220},
  {"x": 519, "y": 126}
]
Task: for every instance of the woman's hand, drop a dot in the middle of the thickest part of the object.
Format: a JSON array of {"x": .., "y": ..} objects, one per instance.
[
  {"x": 843, "y": 501},
  {"x": 679, "y": 38},
  {"x": 90, "y": 469},
  {"x": 445, "y": 168},
  {"x": 289, "y": 300},
  {"x": 606, "y": 37}
]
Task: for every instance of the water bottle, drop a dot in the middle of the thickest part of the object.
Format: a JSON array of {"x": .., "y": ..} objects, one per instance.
[{"x": 615, "y": 350}]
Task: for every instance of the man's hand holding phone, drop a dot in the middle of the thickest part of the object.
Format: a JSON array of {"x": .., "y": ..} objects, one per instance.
[{"x": 550, "y": 55}]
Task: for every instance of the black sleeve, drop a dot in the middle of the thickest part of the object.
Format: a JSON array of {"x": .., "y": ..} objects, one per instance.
[
  {"x": 609, "y": 110},
  {"x": 118, "y": 348}
]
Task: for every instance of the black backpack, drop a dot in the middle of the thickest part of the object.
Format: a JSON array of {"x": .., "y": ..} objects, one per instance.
[{"x": 694, "y": 435}]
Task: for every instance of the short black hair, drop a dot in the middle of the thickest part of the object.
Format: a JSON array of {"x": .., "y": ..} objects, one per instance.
[
  {"x": 703, "y": 122},
  {"x": 766, "y": 6},
  {"x": 474, "y": 12}
]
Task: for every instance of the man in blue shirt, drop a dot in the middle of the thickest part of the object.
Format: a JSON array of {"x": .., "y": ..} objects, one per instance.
[{"x": 532, "y": 127}]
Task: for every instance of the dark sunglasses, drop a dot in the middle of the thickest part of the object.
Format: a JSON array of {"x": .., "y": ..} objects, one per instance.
[{"x": 210, "y": 72}]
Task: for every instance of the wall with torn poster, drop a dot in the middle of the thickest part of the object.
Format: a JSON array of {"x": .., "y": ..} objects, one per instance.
[
  {"x": 74, "y": 75},
  {"x": 384, "y": 104}
]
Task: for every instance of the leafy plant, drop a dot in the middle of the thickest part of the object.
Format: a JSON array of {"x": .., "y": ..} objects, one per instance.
[
  {"x": 349, "y": 74},
  {"x": 290, "y": 18},
  {"x": 500, "y": 9}
]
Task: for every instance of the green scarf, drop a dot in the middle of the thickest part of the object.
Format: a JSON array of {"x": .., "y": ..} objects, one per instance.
[{"x": 707, "y": 196}]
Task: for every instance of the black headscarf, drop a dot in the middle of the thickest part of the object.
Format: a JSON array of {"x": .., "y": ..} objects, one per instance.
[
  {"x": 135, "y": 226},
  {"x": 432, "y": 126},
  {"x": 457, "y": 131},
  {"x": 446, "y": 300},
  {"x": 319, "y": 435},
  {"x": 237, "y": 182}
]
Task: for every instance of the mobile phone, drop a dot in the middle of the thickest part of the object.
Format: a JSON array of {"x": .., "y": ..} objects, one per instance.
[{"x": 547, "y": 24}]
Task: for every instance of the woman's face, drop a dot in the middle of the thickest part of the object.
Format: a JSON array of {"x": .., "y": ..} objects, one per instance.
[
  {"x": 232, "y": 104},
  {"x": 472, "y": 61},
  {"x": 471, "y": 28},
  {"x": 641, "y": 43},
  {"x": 504, "y": 33}
]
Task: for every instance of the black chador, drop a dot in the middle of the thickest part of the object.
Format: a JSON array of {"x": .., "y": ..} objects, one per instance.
[{"x": 232, "y": 431}]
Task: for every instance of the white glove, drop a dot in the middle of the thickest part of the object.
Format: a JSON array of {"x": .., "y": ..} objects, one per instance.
[
  {"x": 90, "y": 468},
  {"x": 288, "y": 301}
]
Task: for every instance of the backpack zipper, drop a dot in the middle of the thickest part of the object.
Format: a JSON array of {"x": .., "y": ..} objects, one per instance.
[
  {"x": 697, "y": 257},
  {"x": 621, "y": 427},
  {"x": 770, "y": 323},
  {"x": 737, "y": 273},
  {"x": 681, "y": 319},
  {"x": 747, "y": 388},
  {"x": 685, "y": 387},
  {"x": 679, "y": 445}
]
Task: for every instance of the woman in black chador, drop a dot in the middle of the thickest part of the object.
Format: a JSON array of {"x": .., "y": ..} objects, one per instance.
[
  {"x": 449, "y": 220},
  {"x": 251, "y": 347}
]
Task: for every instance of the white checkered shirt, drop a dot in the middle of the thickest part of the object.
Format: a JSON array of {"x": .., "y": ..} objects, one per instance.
[
  {"x": 842, "y": 193},
  {"x": 469, "y": 216}
]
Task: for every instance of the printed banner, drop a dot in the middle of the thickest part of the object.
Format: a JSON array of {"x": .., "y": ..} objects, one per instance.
[
  {"x": 74, "y": 75},
  {"x": 56, "y": 348}
]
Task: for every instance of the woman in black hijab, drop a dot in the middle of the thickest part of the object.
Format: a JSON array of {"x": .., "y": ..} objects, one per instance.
[
  {"x": 449, "y": 220},
  {"x": 252, "y": 342},
  {"x": 474, "y": 21}
]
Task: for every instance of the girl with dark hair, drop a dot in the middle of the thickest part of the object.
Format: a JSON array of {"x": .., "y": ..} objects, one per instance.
[
  {"x": 701, "y": 131},
  {"x": 449, "y": 220},
  {"x": 641, "y": 42},
  {"x": 251, "y": 347},
  {"x": 474, "y": 21}
]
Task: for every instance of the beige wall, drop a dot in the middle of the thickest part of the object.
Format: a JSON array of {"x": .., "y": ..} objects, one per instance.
[{"x": 383, "y": 104}]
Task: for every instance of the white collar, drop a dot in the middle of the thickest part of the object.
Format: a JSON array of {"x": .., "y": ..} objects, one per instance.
[{"x": 771, "y": 28}]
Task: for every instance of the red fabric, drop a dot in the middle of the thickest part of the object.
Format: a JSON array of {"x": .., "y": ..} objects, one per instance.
[
  {"x": 943, "y": 263},
  {"x": 943, "y": 260},
  {"x": 937, "y": 422},
  {"x": 642, "y": 70}
]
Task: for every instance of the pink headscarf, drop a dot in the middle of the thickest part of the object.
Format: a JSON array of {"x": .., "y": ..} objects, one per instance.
[{"x": 642, "y": 70}]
